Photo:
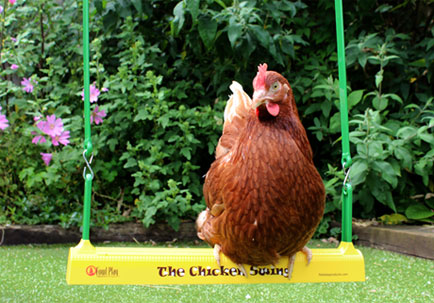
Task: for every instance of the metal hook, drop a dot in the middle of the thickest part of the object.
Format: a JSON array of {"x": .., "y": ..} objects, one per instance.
[
  {"x": 87, "y": 164},
  {"x": 347, "y": 173}
]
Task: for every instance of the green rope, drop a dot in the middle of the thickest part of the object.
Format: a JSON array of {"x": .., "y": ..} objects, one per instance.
[
  {"x": 346, "y": 157},
  {"x": 88, "y": 149}
]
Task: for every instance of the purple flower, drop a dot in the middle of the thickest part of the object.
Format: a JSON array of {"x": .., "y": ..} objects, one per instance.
[
  {"x": 14, "y": 66},
  {"x": 46, "y": 158},
  {"x": 93, "y": 94},
  {"x": 1, "y": 9},
  {"x": 104, "y": 89},
  {"x": 3, "y": 122},
  {"x": 97, "y": 115},
  {"x": 14, "y": 39},
  {"x": 52, "y": 127},
  {"x": 28, "y": 84},
  {"x": 63, "y": 138},
  {"x": 39, "y": 139}
]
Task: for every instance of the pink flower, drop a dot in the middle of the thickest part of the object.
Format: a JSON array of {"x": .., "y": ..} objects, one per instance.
[
  {"x": 93, "y": 94},
  {"x": 1, "y": 9},
  {"x": 3, "y": 122},
  {"x": 14, "y": 66},
  {"x": 46, "y": 158},
  {"x": 104, "y": 89},
  {"x": 63, "y": 138},
  {"x": 28, "y": 85},
  {"x": 39, "y": 139},
  {"x": 14, "y": 39},
  {"x": 41, "y": 125},
  {"x": 53, "y": 127},
  {"x": 97, "y": 115},
  {"x": 12, "y": 1}
]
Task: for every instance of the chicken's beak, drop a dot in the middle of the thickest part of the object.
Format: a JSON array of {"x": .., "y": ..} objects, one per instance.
[{"x": 259, "y": 98}]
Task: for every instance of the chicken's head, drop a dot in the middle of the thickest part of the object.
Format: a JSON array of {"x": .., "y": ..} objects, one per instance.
[{"x": 271, "y": 92}]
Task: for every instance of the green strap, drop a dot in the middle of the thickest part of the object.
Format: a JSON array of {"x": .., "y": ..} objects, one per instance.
[
  {"x": 88, "y": 149},
  {"x": 346, "y": 157}
]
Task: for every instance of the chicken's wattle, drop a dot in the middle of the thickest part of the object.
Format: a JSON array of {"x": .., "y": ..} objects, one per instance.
[{"x": 273, "y": 109}]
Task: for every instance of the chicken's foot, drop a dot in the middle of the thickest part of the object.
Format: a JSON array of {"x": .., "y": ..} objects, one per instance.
[{"x": 308, "y": 253}]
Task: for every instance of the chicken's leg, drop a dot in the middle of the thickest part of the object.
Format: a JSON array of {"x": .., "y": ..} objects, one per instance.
[{"x": 217, "y": 250}]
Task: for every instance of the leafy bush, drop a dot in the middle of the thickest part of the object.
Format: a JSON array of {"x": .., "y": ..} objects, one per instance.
[{"x": 160, "y": 72}]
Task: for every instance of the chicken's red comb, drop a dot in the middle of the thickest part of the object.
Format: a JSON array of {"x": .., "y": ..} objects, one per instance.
[{"x": 259, "y": 81}]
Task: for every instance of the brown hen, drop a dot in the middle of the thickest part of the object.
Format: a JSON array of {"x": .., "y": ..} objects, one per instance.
[{"x": 264, "y": 196}]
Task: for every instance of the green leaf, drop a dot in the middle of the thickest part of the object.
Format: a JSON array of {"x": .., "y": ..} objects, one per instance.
[
  {"x": 178, "y": 21},
  {"x": 386, "y": 171},
  {"x": 418, "y": 211},
  {"x": 193, "y": 8},
  {"x": 418, "y": 63},
  {"x": 380, "y": 103},
  {"x": 185, "y": 151},
  {"x": 406, "y": 132},
  {"x": 234, "y": 33},
  {"x": 378, "y": 78},
  {"x": 358, "y": 172},
  {"x": 394, "y": 97},
  {"x": 261, "y": 34},
  {"x": 335, "y": 123},
  {"x": 138, "y": 5},
  {"x": 393, "y": 219},
  {"x": 382, "y": 193},
  {"x": 429, "y": 138},
  {"x": 326, "y": 107},
  {"x": 402, "y": 153},
  {"x": 131, "y": 162},
  {"x": 354, "y": 98},
  {"x": 164, "y": 121},
  {"x": 384, "y": 8},
  {"x": 143, "y": 114},
  {"x": 207, "y": 30}
]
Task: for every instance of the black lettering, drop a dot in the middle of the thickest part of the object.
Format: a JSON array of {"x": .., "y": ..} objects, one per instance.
[
  {"x": 181, "y": 272},
  {"x": 162, "y": 271},
  {"x": 224, "y": 271},
  {"x": 193, "y": 271}
]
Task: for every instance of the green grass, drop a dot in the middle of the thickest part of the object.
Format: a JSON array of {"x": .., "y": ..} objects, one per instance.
[{"x": 37, "y": 274}]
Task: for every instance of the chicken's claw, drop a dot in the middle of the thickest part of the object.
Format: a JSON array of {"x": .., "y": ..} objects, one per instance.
[
  {"x": 291, "y": 261},
  {"x": 217, "y": 249},
  {"x": 308, "y": 253},
  {"x": 242, "y": 269}
]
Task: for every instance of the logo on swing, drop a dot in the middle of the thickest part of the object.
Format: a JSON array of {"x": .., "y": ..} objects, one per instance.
[
  {"x": 106, "y": 272},
  {"x": 91, "y": 270}
]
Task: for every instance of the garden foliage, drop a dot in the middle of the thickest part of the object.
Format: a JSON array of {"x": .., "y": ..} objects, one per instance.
[{"x": 160, "y": 72}]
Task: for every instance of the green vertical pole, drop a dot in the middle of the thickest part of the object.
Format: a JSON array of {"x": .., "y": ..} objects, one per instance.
[
  {"x": 87, "y": 136},
  {"x": 346, "y": 157}
]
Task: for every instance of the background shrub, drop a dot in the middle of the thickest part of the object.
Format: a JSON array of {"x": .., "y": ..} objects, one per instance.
[{"x": 162, "y": 71}]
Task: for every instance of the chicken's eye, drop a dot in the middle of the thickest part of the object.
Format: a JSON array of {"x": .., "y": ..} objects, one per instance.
[{"x": 275, "y": 86}]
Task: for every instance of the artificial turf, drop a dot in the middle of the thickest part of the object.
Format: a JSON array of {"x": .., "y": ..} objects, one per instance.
[{"x": 36, "y": 273}]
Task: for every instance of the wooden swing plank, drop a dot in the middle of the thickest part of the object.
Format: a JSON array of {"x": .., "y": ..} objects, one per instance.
[{"x": 159, "y": 266}]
